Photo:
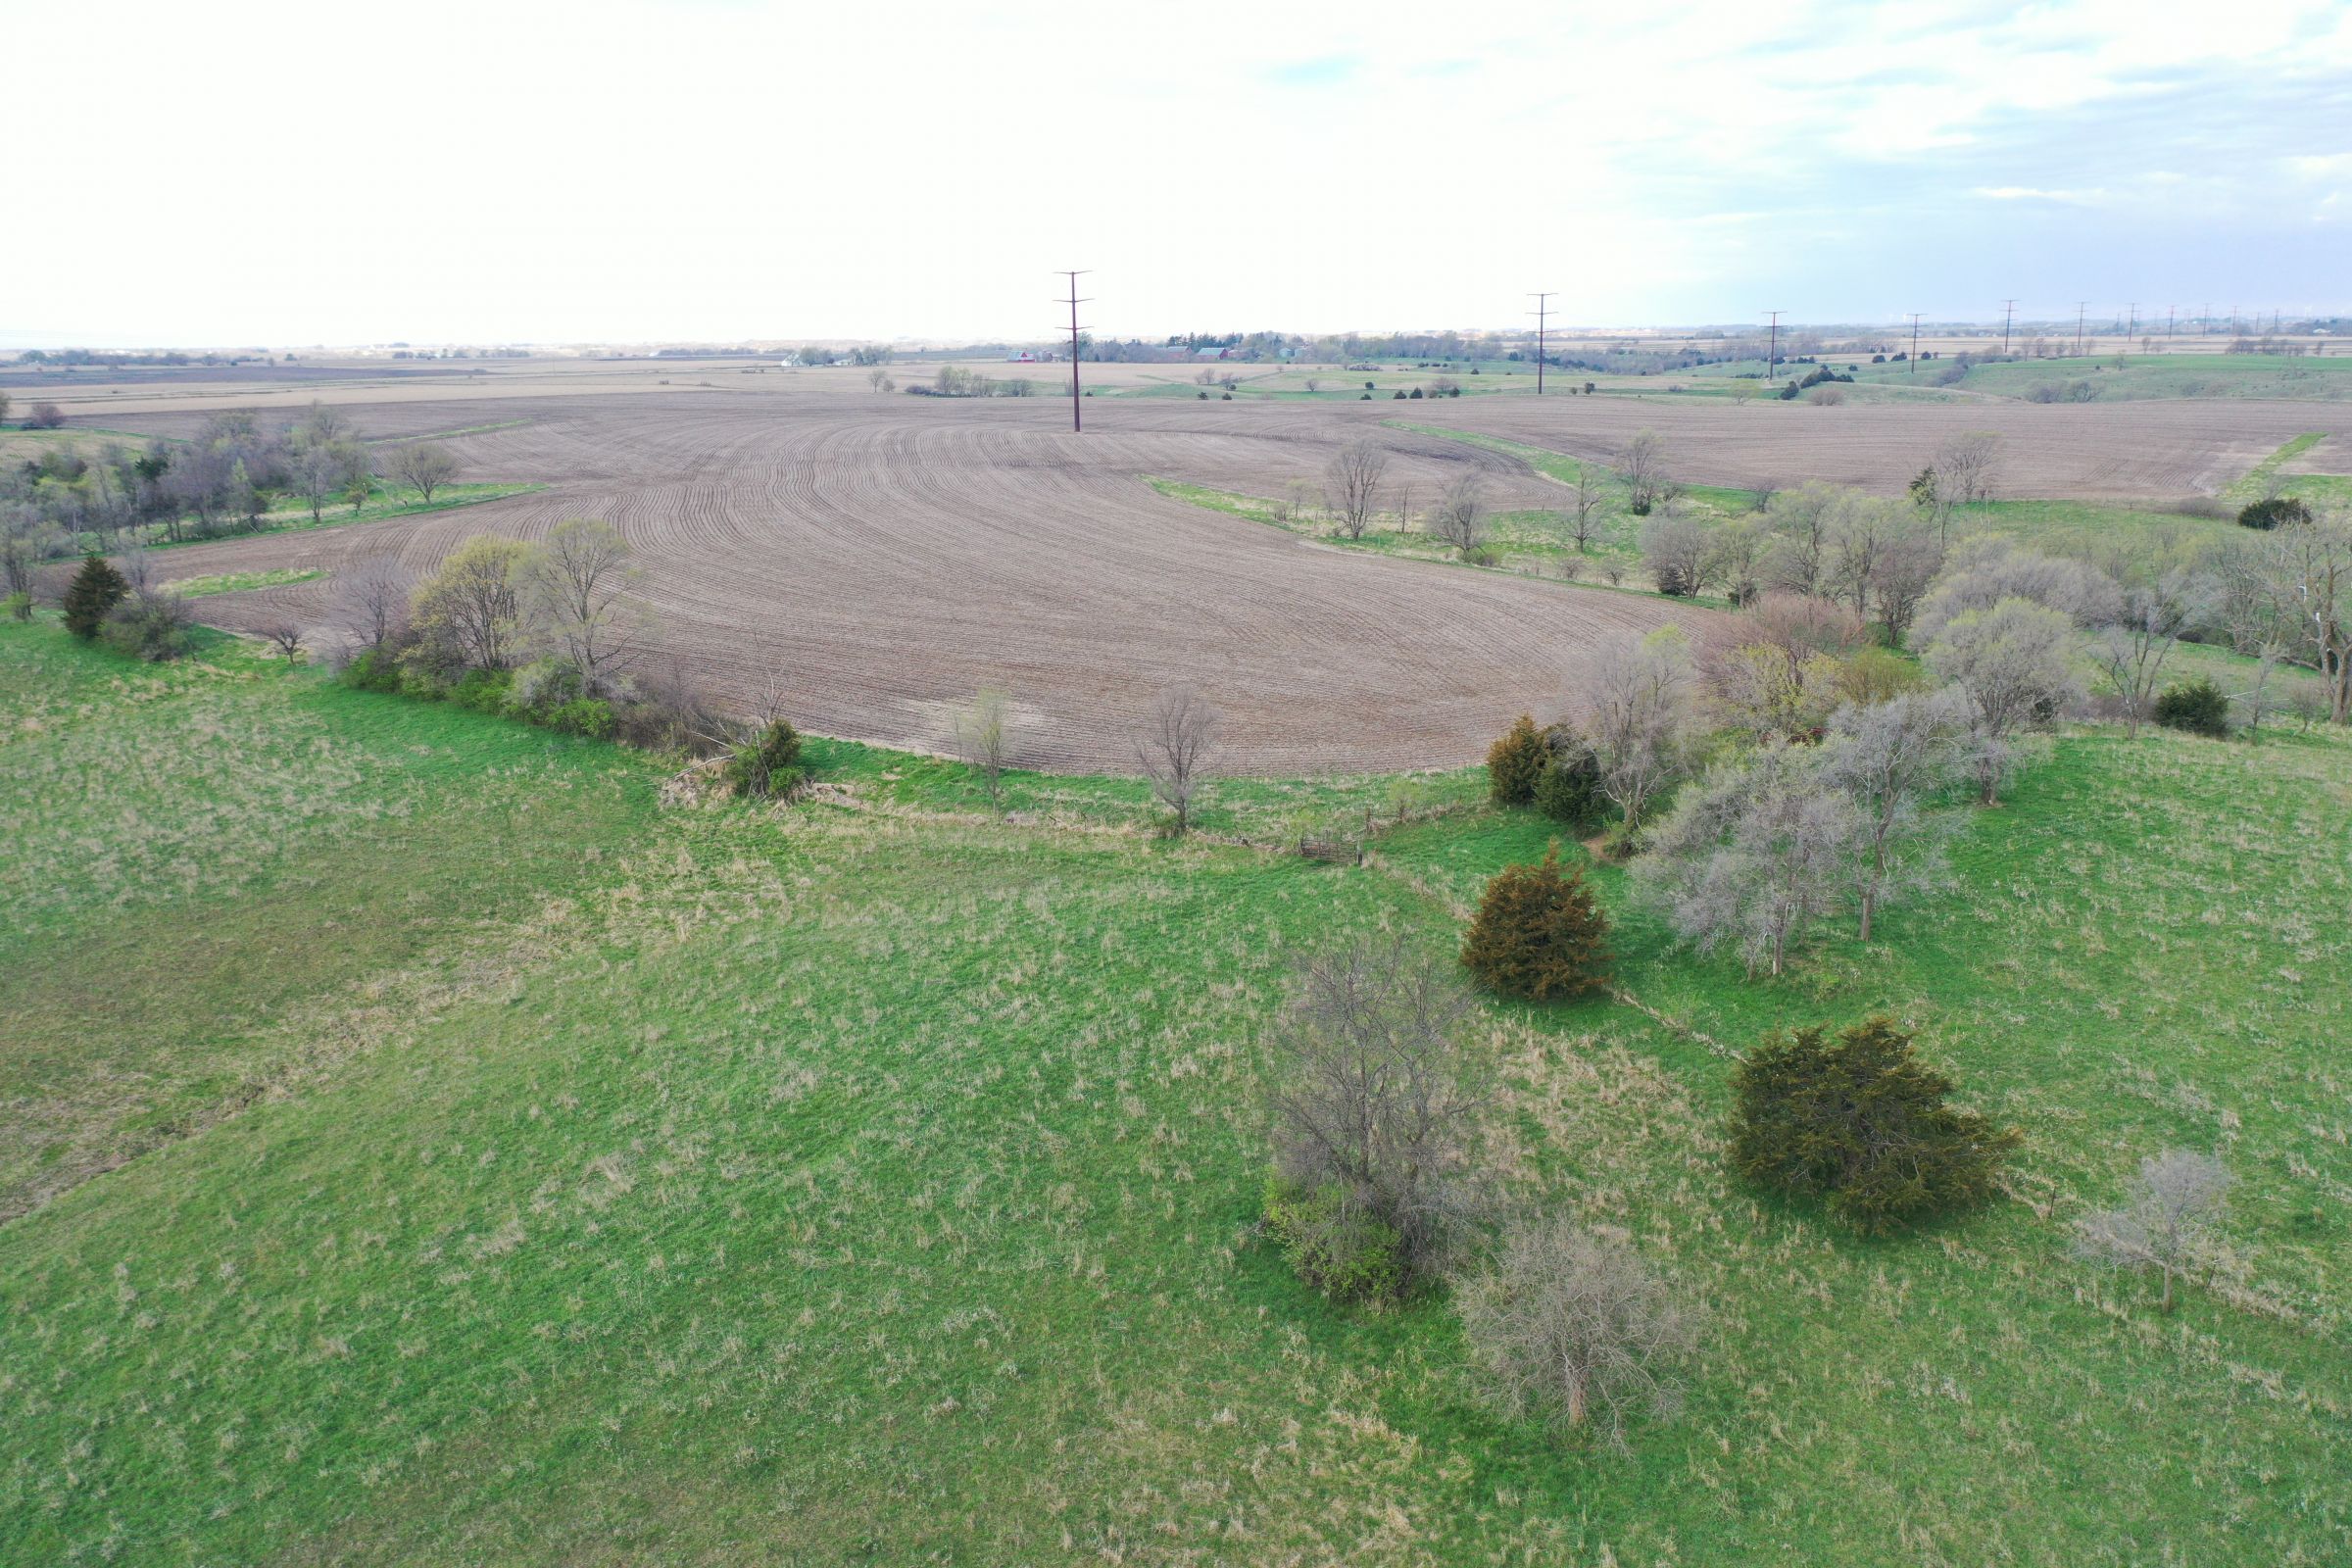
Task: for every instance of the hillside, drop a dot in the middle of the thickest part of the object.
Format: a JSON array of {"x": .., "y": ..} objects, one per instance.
[{"x": 423, "y": 1143}]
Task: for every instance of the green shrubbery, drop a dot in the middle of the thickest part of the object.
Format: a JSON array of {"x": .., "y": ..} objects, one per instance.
[
  {"x": 1860, "y": 1123},
  {"x": 2277, "y": 511},
  {"x": 1568, "y": 789},
  {"x": 150, "y": 625},
  {"x": 1341, "y": 1249},
  {"x": 2198, "y": 707},
  {"x": 768, "y": 766}
]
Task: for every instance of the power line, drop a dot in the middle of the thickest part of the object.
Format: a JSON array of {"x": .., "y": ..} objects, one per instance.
[
  {"x": 1543, "y": 314},
  {"x": 1073, "y": 302},
  {"x": 1912, "y": 367},
  {"x": 2133, "y": 330},
  {"x": 2080, "y": 308},
  {"x": 1772, "y": 356},
  {"x": 2008, "y": 315}
]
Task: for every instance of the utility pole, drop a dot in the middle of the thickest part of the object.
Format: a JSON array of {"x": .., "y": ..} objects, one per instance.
[
  {"x": 2234, "y": 320},
  {"x": 2169, "y": 310},
  {"x": 1543, "y": 314},
  {"x": 2131, "y": 331},
  {"x": 1912, "y": 367},
  {"x": 2008, "y": 315},
  {"x": 2081, "y": 306},
  {"x": 1073, "y": 302},
  {"x": 1772, "y": 356}
]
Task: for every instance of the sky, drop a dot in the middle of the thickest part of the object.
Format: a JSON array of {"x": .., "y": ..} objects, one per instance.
[{"x": 697, "y": 170}]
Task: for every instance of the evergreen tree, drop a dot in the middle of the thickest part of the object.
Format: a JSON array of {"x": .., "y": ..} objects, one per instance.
[
  {"x": 1568, "y": 789},
  {"x": 96, "y": 589},
  {"x": 1514, "y": 764},
  {"x": 1539, "y": 933},
  {"x": 1860, "y": 1122}
]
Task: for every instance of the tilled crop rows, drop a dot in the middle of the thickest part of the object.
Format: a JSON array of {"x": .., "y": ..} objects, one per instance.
[
  {"x": 2144, "y": 450},
  {"x": 869, "y": 562}
]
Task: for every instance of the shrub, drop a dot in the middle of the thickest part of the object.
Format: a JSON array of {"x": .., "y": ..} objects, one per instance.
[
  {"x": 1539, "y": 933},
  {"x": 374, "y": 669},
  {"x": 1342, "y": 1249},
  {"x": 1568, "y": 790},
  {"x": 1371, "y": 1098},
  {"x": 97, "y": 588},
  {"x": 1515, "y": 761},
  {"x": 768, "y": 766},
  {"x": 1860, "y": 1123},
  {"x": 2198, "y": 707},
  {"x": 2274, "y": 512},
  {"x": 1570, "y": 1324},
  {"x": 150, "y": 625},
  {"x": 582, "y": 715},
  {"x": 486, "y": 691},
  {"x": 19, "y": 606},
  {"x": 45, "y": 417}
]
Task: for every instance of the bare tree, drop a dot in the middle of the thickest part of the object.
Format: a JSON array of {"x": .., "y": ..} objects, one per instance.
[
  {"x": 1906, "y": 567},
  {"x": 1461, "y": 515},
  {"x": 1983, "y": 571},
  {"x": 283, "y": 632},
  {"x": 1372, "y": 1092},
  {"x": 2011, "y": 661},
  {"x": 2307, "y": 568},
  {"x": 1643, "y": 470},
  {"x": 1588, "y": 496},
  {"x": 1678, "y": 551},
  {"x": 1576, "y": 1326},
  {"x": 319, "y": 473},
  {"x": 424, "y": 467},
  {"x": 1175, "y": 746},
  {"x": 1637, "y": 720},
  {"x": 984, "y": 740},
  {"x": 370, "y": 601},
  {"x": 575, "y": 586},
  {"x": 1966, "y": 465},
  {"x": 1352, "y": 485},
  {"x": 1752, "y": 855},
  {"x": 1891, "y": 760},
  {"x": 2132, "y": 652},
  {"x": 1806, "y": 522},
  {"x": 2170, "y": 1222}
]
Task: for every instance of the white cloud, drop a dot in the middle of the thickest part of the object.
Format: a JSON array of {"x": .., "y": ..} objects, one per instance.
[{"x": 629, "y": 169}]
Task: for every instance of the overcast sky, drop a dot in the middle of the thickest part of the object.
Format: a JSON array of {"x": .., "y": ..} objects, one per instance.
[{"x": 695, "y": 170}]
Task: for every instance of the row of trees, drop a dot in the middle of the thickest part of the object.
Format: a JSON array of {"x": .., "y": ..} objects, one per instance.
[{"x": 225, "y": 479}]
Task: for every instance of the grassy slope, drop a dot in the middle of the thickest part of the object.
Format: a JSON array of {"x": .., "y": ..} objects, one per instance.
[{"x": 872, "y": 1180}]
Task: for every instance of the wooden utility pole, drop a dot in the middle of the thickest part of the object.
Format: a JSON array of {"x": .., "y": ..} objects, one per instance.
[
  {"x": 1912, "y": 369},
  {"x": 1772, "y": 356},
  {"x": 1073, "y": 302},
  {"x": 1543, "y": 314},
  {"x": 2008, "y": 315},
  {"x": 2080, "y": 306}
]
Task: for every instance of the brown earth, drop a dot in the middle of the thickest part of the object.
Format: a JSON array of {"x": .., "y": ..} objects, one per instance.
[{"x": 872, "y": 560}]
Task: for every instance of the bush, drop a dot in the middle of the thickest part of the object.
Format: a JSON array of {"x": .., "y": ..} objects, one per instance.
[
  {"x": 484, "y": 691},
  {"x": 1539, "y": 933},
  {"x": 2198, "y": 707},
  {"x": 19, "y": 606},
  {"x": 2275, "y": 513},
  {"x": 375, "y": 670},
  {"x": 1860, "y": 1123},
  {"x": 1343, "y": 1249},
  {"x": 150, "y": 625},
  {"x": 97, "y": 588},
  {"x": 1573, "y": 1325},
  {"x": 1568, "y": 790},
  {"x": 582, "y": 715},
  {"x": 1515, "y": 762},
  {"x": 767, "y": 765}
]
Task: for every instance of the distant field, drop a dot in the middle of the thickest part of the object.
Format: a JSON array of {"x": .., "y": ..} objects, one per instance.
[{"x": 509, "y": 1168}]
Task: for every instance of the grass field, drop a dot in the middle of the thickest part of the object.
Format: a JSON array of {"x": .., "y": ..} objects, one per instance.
[{"x": 510, "y": 1167}]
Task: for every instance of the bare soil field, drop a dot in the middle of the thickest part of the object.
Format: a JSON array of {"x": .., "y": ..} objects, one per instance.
[
  {"x": 2142, "y": 451},
  {"x": 871, "y": 561}
]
